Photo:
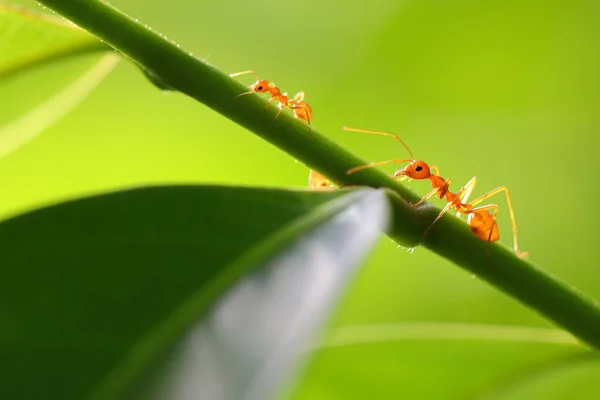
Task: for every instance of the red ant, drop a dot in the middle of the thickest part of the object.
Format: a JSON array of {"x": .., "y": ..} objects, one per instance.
[
  {"x": 482, "y": 223},
  {"x": 316, "y": 181},
  {"x": 297, "y": 104}
]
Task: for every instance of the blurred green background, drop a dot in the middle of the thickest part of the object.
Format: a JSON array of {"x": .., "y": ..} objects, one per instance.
[{"x": 507, "y": 91}]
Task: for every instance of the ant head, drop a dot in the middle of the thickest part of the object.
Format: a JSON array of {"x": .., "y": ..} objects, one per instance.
[
  {"x": 260, "y": 86},
  {"x": 415, "y": 170}
]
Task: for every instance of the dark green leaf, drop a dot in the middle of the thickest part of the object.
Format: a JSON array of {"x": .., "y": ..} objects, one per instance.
[{"x": 95, "y": 290}]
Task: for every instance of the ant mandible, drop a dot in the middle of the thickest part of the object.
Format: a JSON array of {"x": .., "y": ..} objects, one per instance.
[
  {"x": 482, "y": 223},
  {"x": 297, "y": 104}
]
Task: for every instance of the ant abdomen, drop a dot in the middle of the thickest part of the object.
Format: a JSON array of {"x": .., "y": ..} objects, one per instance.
[
  {"x": 483, "y": 225},
  {"x": 303, "y": 111}
]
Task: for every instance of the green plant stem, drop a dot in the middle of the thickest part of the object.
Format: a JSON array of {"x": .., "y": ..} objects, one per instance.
[{"x": 449, "y": 238}]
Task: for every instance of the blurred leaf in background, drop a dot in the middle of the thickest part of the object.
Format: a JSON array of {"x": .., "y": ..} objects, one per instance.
[
  {"x": 507, "y": 91},
  {"x": 32, "y": 40}
]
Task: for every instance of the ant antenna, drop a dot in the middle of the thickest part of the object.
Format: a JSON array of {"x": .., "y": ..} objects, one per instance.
[
  {"x": 374, "y": 164},
  {"x": 347, "y": 128},
  {"x": 244, "y": 73}
]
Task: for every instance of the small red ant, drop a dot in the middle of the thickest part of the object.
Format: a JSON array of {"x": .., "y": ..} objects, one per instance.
[
  {"x": 482, "y": 223},
  {"x": 316, "y": 181},
  {"x": 297, "y": 104}
]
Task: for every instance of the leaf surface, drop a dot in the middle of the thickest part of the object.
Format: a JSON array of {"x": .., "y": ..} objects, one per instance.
[{"x": 99, "y": 294}]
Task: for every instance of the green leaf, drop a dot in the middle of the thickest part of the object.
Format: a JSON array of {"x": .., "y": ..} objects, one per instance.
[
  {"x": 429, "y": 360},
  {"x": 98, "y": 293},
  {"x": 27, "y": 127},
  {"x": 29, "y": 38},
  {"x": 571, "y": 378}
]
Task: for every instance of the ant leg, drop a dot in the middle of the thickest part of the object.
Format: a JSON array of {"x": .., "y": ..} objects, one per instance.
[
  {"x": 308, "y": 113},
  {"x": 375, "y": 164},
  {"x": 298, "y": 97},
  {"x": 428, "y": 195},
  {"x": 511, "y": 212},
  {"x": 436, "y": 170},
  {"x": 444, "y": 210},
  {"x": 280, "y": 106},
  {"x": 244, "y": 73},
  {"x": 465, "y": 191},
  {"x": 468, "y": 189},
  {"x": 392, "y": 135},
  {"x": 268, "y": 103}
]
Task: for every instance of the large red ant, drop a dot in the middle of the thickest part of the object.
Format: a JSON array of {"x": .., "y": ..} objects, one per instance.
[{"x": 482, "y": 223}]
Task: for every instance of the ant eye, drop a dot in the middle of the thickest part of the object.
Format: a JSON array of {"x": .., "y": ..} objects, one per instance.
[
  {"x": 259, "y": 88},
  {"x": 419, "y": 168}
]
